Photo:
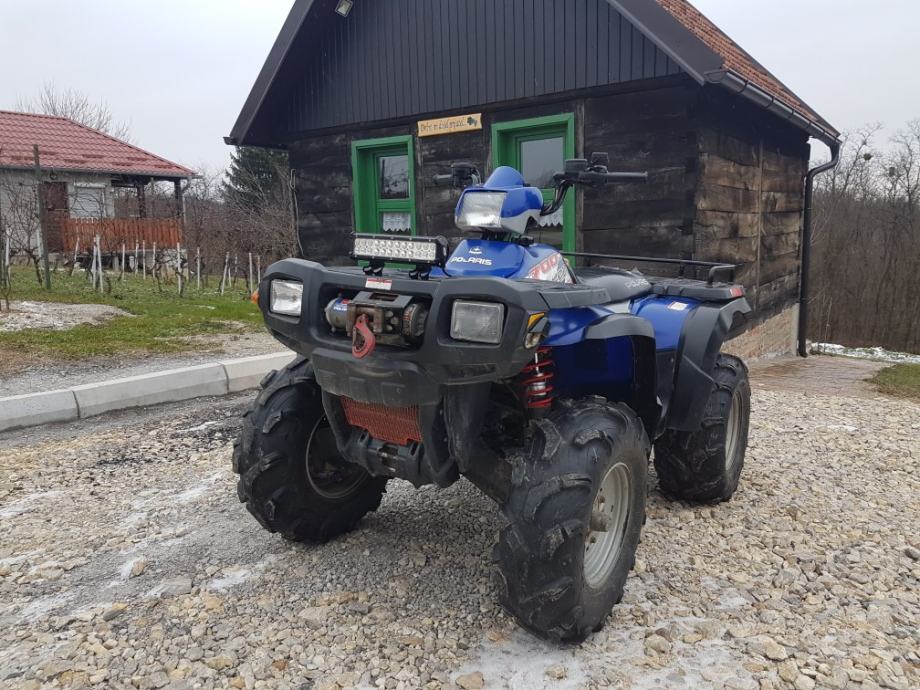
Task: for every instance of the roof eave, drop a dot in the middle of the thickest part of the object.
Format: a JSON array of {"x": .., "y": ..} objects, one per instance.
[
  {"x": 97, "y": 171},
  {"x": 737, "y": 84}
]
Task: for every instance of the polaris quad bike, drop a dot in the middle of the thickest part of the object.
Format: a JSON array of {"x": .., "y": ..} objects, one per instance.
[{"x": 545, "y": 386}]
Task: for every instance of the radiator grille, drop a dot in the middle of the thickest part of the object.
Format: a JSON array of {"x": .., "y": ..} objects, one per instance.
[{"x": 397, "y": 425}]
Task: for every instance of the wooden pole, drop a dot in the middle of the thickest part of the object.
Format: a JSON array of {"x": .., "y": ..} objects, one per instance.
[
  {"x": 249, "y": 287},
  {"x": 258, "y": 270},
  {"x": 122, "y": 261},
  {"x": 136, "y": 248},
  {"x": 198, "y": 267},
  {"x": 100, "y": 276},
  {"x": 144, "y": 258},
  {"x": 92, "y": 265},
  {"x": 223, "y": 273},
  {"x": 41, "y": 216},
  {"x": 236, "y": 264},
  {"x": 179, "y": 267}
]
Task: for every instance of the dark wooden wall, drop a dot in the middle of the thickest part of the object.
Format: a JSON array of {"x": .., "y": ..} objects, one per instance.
[
  {"x": 726, "y": 181},
  {"x": 750, "y": 198},
  {"x": 404, "y": 58}
]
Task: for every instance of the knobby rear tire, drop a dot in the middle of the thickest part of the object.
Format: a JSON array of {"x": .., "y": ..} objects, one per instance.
[
  {"x": 270, "y": 458},
  {"x": 705, "y": 466}
]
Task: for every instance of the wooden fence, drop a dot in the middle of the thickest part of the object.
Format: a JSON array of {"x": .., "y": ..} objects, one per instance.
[{"x": 115, "y": 232}]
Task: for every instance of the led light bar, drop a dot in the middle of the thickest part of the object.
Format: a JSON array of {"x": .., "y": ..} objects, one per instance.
[{"x": 425, "y": 251}]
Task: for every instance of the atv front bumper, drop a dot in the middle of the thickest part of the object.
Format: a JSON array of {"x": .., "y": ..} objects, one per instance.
[{"x": 402, "y": 376}]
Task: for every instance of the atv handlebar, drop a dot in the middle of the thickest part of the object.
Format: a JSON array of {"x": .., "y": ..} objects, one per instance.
[
  {"x": 591, "y": 173},
  {"x": 600, "y": 177}
]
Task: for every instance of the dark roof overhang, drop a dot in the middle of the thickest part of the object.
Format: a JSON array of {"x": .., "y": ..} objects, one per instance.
[{"x": 678, "y": 42}]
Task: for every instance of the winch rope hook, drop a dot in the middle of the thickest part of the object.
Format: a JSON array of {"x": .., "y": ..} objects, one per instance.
[{"x": 363, "y": 341}]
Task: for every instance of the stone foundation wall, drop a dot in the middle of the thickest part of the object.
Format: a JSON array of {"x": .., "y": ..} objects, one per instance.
[{"x": 774, "y": 337}]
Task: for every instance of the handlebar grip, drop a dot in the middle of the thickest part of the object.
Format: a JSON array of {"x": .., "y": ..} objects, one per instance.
[{"x": 626, "y": 177}]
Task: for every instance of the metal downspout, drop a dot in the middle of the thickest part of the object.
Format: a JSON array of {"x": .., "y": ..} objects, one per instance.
[{"x": 806, "y": 243}]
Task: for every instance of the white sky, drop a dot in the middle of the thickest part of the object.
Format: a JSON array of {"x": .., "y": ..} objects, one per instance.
[{"x": 179, "y": 70}]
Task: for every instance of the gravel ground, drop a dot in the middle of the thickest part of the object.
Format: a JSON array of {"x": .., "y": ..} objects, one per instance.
[
  {"x": 127, "y": 562},
  {"x": 43, "y": 375},
  {"x": 57, "y": 317}
]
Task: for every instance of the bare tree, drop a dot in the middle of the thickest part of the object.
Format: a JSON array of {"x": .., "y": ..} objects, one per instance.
[
  {"x": 867, "y": 244},
  {"x": 75, "y": 106},
  {"x": 20, "y": 218}
]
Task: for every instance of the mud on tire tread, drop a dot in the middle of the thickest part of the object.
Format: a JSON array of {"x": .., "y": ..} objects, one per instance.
[
  {"x": 540, "y": 554},
  {"x": 269, "y": 459},
  {"x": 691, "y": 465}
]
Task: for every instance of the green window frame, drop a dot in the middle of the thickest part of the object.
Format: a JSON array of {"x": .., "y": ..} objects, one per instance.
[
  {"x": 368, "y": 204},
  {"x": 507, "y": 138}
]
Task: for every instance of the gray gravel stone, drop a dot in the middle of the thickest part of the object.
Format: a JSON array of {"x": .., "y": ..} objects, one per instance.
[{"x": 719, "y": 594}]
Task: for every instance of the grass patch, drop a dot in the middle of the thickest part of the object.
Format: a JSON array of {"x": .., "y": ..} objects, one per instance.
[
  {"x": 160, "y": 321},
  {"x": 901, "y": 380}
]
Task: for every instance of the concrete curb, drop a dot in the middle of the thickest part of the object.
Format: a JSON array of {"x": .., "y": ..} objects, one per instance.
[{"x": 80, "y": 402}]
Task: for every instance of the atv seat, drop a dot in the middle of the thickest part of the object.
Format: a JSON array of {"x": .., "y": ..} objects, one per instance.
[{"x": 621, "y": 285}]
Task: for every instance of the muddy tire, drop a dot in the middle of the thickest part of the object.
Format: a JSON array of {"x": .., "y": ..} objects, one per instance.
[
  {"x": 705, "y": 466},
  {"x": 292, "y": 478},
  {"x": 575, "y": 514}
]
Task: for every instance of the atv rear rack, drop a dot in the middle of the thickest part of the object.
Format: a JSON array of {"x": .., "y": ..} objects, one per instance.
[{"x": 717, "y": 271}]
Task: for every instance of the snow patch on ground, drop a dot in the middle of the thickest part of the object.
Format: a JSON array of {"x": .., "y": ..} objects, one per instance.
[
  {"x": 199, "y": 490},
  {"x": 522, "y": 662},
  {"x": 875, "y": 354},
  {"x": 56, "y": 317},
  {"x": 237, "y": 575},
  {"x": 42, "y": 606},
  {"x": 230, "y": 578},
  {"x": 27, "y": 503}
]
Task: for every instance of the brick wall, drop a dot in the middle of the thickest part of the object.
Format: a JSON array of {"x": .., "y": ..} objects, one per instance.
[{"x": 774, "y": 337}]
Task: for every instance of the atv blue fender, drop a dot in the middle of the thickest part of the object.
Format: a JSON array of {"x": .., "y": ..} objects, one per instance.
[{"x": 657, "y": 357}]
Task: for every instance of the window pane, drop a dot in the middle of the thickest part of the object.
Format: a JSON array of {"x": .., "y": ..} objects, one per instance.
[
  {"x": 393, "y": 174},
  {"x": 541, "y": 159},
  {"x": 88, "y": 202}
]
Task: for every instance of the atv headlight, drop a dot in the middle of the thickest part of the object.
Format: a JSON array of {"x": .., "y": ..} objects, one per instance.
[
  {"x": 478, "y": 322},
  {"x": 286, "y": 297},
  {"x": 480, "y": 210}
]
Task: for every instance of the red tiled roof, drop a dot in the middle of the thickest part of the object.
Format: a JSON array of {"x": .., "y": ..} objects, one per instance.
[
  {"x": 66, "y": 145},
  {"x": 736, "y": 58}
]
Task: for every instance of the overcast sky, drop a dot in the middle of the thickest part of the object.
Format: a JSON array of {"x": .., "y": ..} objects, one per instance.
[{"x": 179, "y": 70}]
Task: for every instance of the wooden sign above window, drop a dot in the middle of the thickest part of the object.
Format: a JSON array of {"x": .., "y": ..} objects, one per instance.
[{"x": 450, "y": 125}]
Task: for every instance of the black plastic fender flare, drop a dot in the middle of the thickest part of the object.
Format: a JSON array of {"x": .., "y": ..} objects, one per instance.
[
  {"x": 644, "y": 393},
  {"x": 704, "y": 333}
]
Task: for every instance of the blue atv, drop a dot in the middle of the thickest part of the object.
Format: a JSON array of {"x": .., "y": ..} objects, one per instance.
[{"x": 545, "y": 386}]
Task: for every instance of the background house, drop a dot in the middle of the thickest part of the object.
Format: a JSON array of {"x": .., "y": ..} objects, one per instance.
[
  {"x": 373, "y": 104},
  {"x": 80, "y": 171}
]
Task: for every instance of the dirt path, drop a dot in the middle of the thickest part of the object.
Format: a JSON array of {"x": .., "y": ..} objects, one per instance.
[{"x": 818, "y": 375}]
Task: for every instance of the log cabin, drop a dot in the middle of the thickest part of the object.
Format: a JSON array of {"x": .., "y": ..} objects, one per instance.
[{"x": 374, "y": 98}]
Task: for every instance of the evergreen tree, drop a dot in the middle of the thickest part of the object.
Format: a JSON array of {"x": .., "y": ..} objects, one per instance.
[{"x": 254, "y": 176}]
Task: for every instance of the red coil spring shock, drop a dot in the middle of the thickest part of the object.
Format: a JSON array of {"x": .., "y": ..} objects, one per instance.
[{"x": 536, "y": 380}]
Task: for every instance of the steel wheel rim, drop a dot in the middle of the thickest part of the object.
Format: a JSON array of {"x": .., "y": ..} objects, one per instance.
[
  {"x": 323, "y": 476},
  {"x": 733, "y": 430},
  {"x": 607, "y": 530}
]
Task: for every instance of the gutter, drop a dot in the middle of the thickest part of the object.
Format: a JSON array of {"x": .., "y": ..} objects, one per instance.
[
  {"x": 742, "y": 87},
  {"x": 806, "y": 243}
]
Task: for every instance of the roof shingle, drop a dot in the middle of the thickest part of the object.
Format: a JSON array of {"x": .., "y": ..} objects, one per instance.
[
  {"x": 66, "y": 145},
  {"x": 736, "y": 59}
]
